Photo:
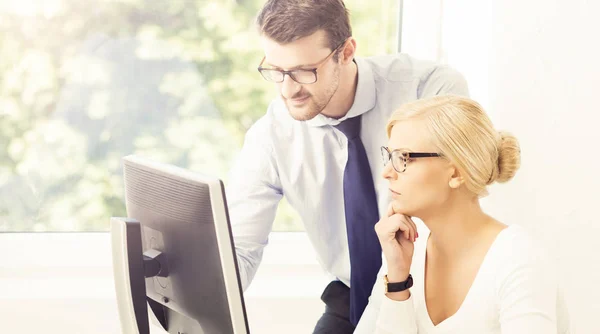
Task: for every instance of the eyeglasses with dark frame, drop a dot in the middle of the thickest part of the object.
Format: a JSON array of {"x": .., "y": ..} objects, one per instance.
[
  {"x": 301, "y": 76},
  {"x": 400, "y": 158}
]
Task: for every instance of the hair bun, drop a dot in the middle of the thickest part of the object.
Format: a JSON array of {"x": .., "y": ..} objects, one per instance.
[{"x": 509, "y": 157}]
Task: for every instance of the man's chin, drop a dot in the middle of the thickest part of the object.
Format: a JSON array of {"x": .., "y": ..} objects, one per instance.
[{"x": 302, "y": 114}]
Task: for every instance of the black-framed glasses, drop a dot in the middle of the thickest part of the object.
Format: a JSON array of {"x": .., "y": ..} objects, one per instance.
[
  {"x": 301, "y": 76},
  {"x": 401, "y": 158}
]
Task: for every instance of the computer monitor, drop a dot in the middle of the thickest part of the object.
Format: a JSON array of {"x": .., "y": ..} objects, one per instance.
[{"x": 174, "y": 252}]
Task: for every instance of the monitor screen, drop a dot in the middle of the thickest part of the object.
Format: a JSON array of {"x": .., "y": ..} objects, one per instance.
[{"x": 175, "y": 251}]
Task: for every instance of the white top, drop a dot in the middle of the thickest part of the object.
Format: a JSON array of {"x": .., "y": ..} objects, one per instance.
[
  {"x": 515, "y": 291},
  {"x": 305, "y": 161}
]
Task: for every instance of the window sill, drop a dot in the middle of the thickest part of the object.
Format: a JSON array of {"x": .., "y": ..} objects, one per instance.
[{"x": 52, "y": 276}]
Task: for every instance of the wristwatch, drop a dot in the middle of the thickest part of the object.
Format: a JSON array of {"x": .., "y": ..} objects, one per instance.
[{"x": 397, "y": 287}]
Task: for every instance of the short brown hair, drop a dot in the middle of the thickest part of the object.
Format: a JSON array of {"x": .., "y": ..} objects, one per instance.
[{"x": 285, "y": 21}]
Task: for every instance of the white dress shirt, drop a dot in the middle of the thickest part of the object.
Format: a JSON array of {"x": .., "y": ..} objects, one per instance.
[
  {"x": 305, "y": 161},
  {"x": 514, "y": 291}
]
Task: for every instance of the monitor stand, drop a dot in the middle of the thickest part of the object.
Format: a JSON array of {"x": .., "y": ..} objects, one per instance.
[{"x": 131, "y": 267}]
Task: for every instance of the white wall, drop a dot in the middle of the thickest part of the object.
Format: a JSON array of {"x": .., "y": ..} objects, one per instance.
[
  {"x": 543, "y": 76},
  {"x": 535, "y": 66}
]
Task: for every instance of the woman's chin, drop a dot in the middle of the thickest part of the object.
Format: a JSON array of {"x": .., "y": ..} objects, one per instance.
[{"x": 400, "y": 207}]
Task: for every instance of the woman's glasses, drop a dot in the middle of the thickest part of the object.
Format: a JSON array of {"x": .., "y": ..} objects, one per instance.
[{"x": 401, "y": 158}]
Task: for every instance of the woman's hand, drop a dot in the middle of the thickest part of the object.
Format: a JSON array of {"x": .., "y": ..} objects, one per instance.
[{"x": 397, "y": 234}]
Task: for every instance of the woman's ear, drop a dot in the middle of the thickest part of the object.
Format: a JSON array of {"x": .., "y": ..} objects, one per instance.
[{"x": 456, "y": 180}]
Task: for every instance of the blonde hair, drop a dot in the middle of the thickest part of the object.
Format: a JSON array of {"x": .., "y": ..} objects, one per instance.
[{"x": 464, "y": 134}]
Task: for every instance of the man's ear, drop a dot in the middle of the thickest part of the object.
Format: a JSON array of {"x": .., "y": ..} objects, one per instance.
[
  {"x": 456, "y": 180},
  {"x": 348, "y": 52}
]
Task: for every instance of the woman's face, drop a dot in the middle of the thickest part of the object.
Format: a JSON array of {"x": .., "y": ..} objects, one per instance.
[{"x": 424, "y": 184}]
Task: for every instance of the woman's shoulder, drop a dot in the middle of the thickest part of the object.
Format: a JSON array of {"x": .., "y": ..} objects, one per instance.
[
  {"x": 516, "y": 240},
  {"x": 517, "y": 249}
]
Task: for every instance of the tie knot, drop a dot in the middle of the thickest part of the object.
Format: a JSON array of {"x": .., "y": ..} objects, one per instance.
[{"x": 350, "y": 127}]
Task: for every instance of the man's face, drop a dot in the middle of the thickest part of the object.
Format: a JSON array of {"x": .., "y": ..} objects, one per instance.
[{"x": 304, "y": 101}]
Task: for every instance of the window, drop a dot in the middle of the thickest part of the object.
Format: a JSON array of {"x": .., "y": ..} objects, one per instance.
[{"x": 84, "y": 83}]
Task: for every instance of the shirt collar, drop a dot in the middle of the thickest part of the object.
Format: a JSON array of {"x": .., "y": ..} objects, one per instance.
[{"x": 364, "y": 98}]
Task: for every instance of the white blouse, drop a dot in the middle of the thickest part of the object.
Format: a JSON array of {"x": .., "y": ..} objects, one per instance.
[{"x": 514, "y": 291}]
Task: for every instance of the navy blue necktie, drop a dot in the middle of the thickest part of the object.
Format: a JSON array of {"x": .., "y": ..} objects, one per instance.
[{"x": 362, "y": 214}]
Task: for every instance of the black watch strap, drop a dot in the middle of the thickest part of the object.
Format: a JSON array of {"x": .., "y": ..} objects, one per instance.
[{"x": 399, "y": 286}]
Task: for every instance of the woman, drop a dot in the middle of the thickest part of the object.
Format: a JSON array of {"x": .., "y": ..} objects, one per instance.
[{"x": 471, "y": 273}]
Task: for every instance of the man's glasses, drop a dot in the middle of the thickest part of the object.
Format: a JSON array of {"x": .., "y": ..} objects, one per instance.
[
  {"x": 301, "y": 76},
  {"x": 400, "y": 158}
]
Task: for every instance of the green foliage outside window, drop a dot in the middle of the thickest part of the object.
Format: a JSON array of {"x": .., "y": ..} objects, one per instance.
[{"x": 85, "y": 82}]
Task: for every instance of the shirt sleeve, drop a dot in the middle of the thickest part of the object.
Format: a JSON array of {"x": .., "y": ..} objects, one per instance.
[
  {"x": 253, "y": 194},
  {"x": 396, "y": 317},
  {"x": 442, "y": 80},
  {"x": 386, "y": 316}
]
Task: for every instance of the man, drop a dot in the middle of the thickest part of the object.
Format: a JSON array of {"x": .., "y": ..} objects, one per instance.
[{"x": 319, "y": 145}]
